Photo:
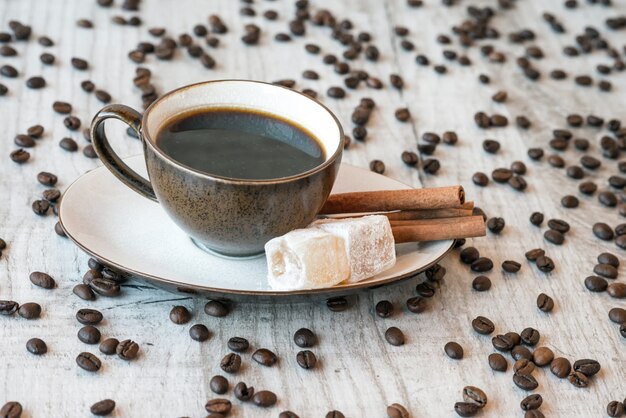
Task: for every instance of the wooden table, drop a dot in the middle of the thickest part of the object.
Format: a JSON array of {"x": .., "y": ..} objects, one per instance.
[{"x": 358, "y": 372}]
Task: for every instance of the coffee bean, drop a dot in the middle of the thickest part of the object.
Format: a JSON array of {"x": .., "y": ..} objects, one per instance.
[
  {"x": 396, "y": 410},
  {"x": 24, "y": 141},
  {"x": 596, "y": 284},
  {"x": 109, "y": 346},
  {"x": 90, "y": 275},
  {"x": 483, "y": 325},
  {"x": 51, "y": 195},
  {"x": 556, "y": 161},
  {"x": 475, "y": 395},
  {"x": 496, "y": 225},
  {"x": 219, "y": 384},
  {"x": 47, "y": 58},
  {"x": 535, "y": 153},
  {"x": 519, "y": 352},
  {"x": 42, "y": 280},
  {"x": 88, "y": 316},
  {"x": 618, "y": 315},
  {"x": 35, "y": 82},
  {"x": 384, "y": 309},
  {"x": 8, "y": 71},
  {"x": 425, "y": 289},
  {"x": 7, "y": 51},
  {"x": 502, "y": 343},
  {"x": 469, "y": 255},
  {"x": 231, "y": 363},
  {"x": 84, "y": 292},
  {"x": 37, "y": 347},
  {"x": 264, "y": 398},
  {"x": 603, "y": 231},
  {"x": 620, "y": 229},
  {"x": 265, "y": 357},
  {"x": 40, "y": 207},
  {"x": 409, "y": 158},
  {"x": 545, "y": 303},
  {"x": 536, "y": 218},
  {"x": 480, "y": 179},
  {"x": 219, "y": 406},
  {"x": 103, "y": 407},
  {"x": 416, "y": 304},
  {"x": 622, "y": 330},
  {"x": 569, "y": 202},
  {"x": 377, "y": 166},
  {"x": 402, "y": 114},
  {"x": 105, "y": 287},
  {"x": 216, "y": 308},
  {"x": 589, "y": 162},
  {"x": 560, "y": 367},
  {"x": 587, "y": 367},
  {"x": 559, "y": 225},
  {"x": 8, "y": 307},
  {"x": 72, "y": 123},
  {"x": 199, "y": 332},
  {"x": 47, "y": 179},
  {"x": 617, "y": 290},
  {"x": 337, "y": 304},
  {"x": 79, "y": 63},
  {"x": 525, "y": 381},
  {"x": 544, "y": 264},
  {"x": 531, "y": 402},
  {"x": 29, "y": 310},
  {"x": 11, "y": 410},
  {"x": 542, "y": 356},
  {"x": 491, "y": 146},
  {"x": 89, "y": 334},
  {"x": 530, "y": 336},
  {"x": 605, "y": 270},
  {"x": 621, "y": 242},
  {"x": 336, "y": 92},
  {"x": 481, "y": 283},
  {"x": 501, "y": 175},
  {"x": 238, "y": 344},
  {"x": 466, "y": 409},
  {"x": 454, "y": 350},
  {"x": 431, "y": 165},
  {"x": 578, "y": 379},
  {"x": 615, "y": 409},
  {"x": 306, "y": 359},
  {"x": 178, "y": 315},
  {"x": 68, "y": 144},
  {"x": 394, "y": 336},
  {"x": 497, "y": 362},
  {"x": 127, "y": 350},
  {"x": 555, "y": 237},
  {"x": 243, "y": 392},
  {"x": 482, "y": 264},
  {"x": 88, "y": 362},
  {"x": 511, "y": 266}
]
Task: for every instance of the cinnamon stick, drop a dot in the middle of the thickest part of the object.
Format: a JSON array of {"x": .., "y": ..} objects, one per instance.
[
  {"x": 438, "y": 229},
  {"x": 428, "y": 214},
  {"x": 392, "y": 200}
]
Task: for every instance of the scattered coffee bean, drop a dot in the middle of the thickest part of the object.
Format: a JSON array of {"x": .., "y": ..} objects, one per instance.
[
  {"x": 8, "y": 307},
  {"x": 29, "y": 310},
  {"x": 615, "y": 409},
  {"x": 219, "y": 384},
  {"x": 469, "y": 255},
  {"x": 416, "y": 304},
  {"x": 40, "y": 207},
  {"x": 525, "y": 381},
  {"x": 617, "y": 290},
  {"x": 542, "y": 356},
  {"x": 559, "y": 225},
  {"x": 72, "y": 123},
  {"x": 511, "y": 266},
  {"x": 109, "y": 346},
  {"x": 497, "y": 362},
  {"x": 127, "y": 350},
  {"x": 536, "y": 218},
  {"x": 481, "y": 283},
  {"x": 337, "y": 304},
  {"x": 88, "y": 362},
  {"x": 605, "y": 270},
  {"x": 384, "y": 309},
  {"x": 545, "y": 303},
  {"x": 587, "y": 367},
  {"x": 216, "y": 308},
  {"x": 103, "y": 407},
  {"x": 553, "y": 236},
  {"x": 394, "y": 336},
  {"x": 88, "y": 316},
  {"x": 480, "y": 179},
  {"x": 89, "y": 334},
  {"x": 519, "y": 352},
  {"x": 231, "y": 363},
  {"x": 265, "y": 357},
  {"x": 178, "y": 315},
  {"x": 37, "y": 347},
  {"x": 199, "y": 332},
  {"x": 603, "y": 231},
  {"x": 483, "y": 325},
  {"x": 578, "y": 379},
  {"x": 530, "y": 336},
  {"x": 11, "y": 410},
  {"x": 560, "y": 367},
  {"x": 68, "y": 144},
  {"x": 396, "y": 410},
  {"x": 475, "y": 395},
  {"x": 79, "y": 63},
  {"x": 24, "y": 141},
  {"x": 502, "y": 343},
  {"x": 618, "y": 315},
  {"x": 496, "y": 225},
  {"x": 466, "y": 409},
  {"x": 218, "y": 406},
  {"x": 84, "y": 292},
  {"x": 105, "y": 287},
  {"x": 545, "y": 264},
  {"x": 306, "y": 359},
  {"x": 43, "y": 280},
  {"x": 264, "y": 398},
  {"x": 531, "y": 402},
  {"x": 238, "y": 344},
  {"x": 482, "y": 264},
  {"x": 377, "y": 166}
]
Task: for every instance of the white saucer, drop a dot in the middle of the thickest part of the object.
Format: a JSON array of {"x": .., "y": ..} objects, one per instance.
[{"x": 133, "y": 234}]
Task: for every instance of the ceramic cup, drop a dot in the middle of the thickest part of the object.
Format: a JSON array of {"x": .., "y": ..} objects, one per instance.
[{"x": 233, "y": 217}]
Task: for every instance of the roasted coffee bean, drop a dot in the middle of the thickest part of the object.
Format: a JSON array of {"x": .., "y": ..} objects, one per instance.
[
  {"x": 555, "y": 237},
  {"x": 425, "y": 289},
  {"x": 496, "y": 225},
  {"x": 219, "y": 384},
  {"x": 416, "y": 304},
  {"x": 89, "y": 334},
  {"x": 8, "y": 307},
  {"x": 617, "y": 290},
  {"x": 588, "y": 367},
  {"x": 618, "y": 315},
  {"x": 72, "y": 123},
  {"x": 621, "y": 242},
  {"x": 502, "y": 343},
  {"x": 534, "y": 254},
  {"x": 84, "y": 292},
  {"x": 525, "y": 381},
  {"x": 615, "y": 409},
  {"x": 51, "y": 195},
  {"x": 37, "y": 347},
  {"x": 238, "y": 344},
  {"x": 531, "y": 402},
  {"x": 199, "y": 332},
  {"x": 590, "y": 162},
  {"x": 24, "y": 141},
  {"x": 127, "y": 350},
  {"x": 491, "y": 146},
  {"x": 30, "y": 310},
  {"x": 620, "y": 229},
  {"x": 545, "y": 264},
  {"x": 545, "y": 303},
  {"x": 578, "y": 379},
  {"x": 466, "y": 409},
  {"x": 11, "y": 410},
  {"x": 216, "y": 308},
  {"x": 542, "y": 356},
  {"x": 535, "y": 153},
  {"x": 402, "y": 114},
  {"x": 7, "y": 51},
  {"x": 596, "y": 284},
  {"x": 449, "y": 138},
  {"x": 605, "y": 270},
  {"x": 40, "y": 207},
  {"x": 560, "y": 367},
  {"x": 431, "y": 165},
  {"x": 570, "y": 202},
  {"x": 103, "y": 96},
  {"x": 481, "y": 283},
  {"x": 453, "y": 350},
  {"x": 35, "y": 131},
  {"x": 35, "y": 82},
  {"x": 377, "y": 166},
  {"x": 337, "y": 304},
  {"x": 47, "y": 179},
  {"x": 575, "y": 172},
  {"x": 384, "y": 309},
  {"x": 79, "y": 63},
  {"x": 536, "y": 218},
  {"x": 469, "y": 255},
  {"x": 306, "y": 359},
  {"x": 88, "y": 362},
  {"x": 265, "y": 357},
  {"x": 482, "y": 264},
  {"x": 218, "y": 406},
  {"x": 475, "y": 395},
  {"x": 103, "y": 407},
  {"x": 109, "y": 346},
  {"x": 530, "y": 336},
  {"x": 409, "y": 158},
  {"x": 90, "y": 275},
  {"x": 68, "y": 144},
  {"x": 501, "y": 175},
  {"x": 436, "y": 273},
  {"x": 558, "y": 225},
  {"x": 556, "y": 161},
  {"x": 8, "y": 71},
  {"x": 483, "y": 325},
  {"x": 497, "y": 362},
  {"x": 603, "y": 231},
  {"x": 607, "y": 198},
  {"x": 622, "y": 330},
  {"x": 480, "y": 179},
  {"x": 617, "y": 181},
  {"x": 519, "y": 352},
  {"x": 587, "y": 187},
  {"x": 431, "y": 137},
  {"x": 231, "y": 363},
  {"x": 396, "y": 410},
  {"x": 243, "y": 392},
  {"x": 511, "y": 266},
  {"x": 105, "y": 287},
  {"x": 42, "y": 280},
  {"x": 336, "y": 92},
  {"x": 88, "y": 316},
  {"x": 394, "y": 336},
  {"x": 264, "y": 398},
  {"x": 178, "y": 315}
]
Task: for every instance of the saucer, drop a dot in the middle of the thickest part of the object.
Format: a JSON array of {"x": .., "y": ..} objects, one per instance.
[{"x": 128, "y": 232}]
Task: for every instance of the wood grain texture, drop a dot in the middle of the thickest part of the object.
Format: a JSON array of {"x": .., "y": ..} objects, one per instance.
[{"x": 358, "y": 372}]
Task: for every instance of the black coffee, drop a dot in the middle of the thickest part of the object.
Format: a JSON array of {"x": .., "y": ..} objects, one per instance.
[{"x": 240, "y": 143}]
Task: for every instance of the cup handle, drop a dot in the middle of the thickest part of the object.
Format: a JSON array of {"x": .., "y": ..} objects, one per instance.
[{"x": 109, "y": 158}]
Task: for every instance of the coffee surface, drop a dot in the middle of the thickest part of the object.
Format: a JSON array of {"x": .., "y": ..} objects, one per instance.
[{"x": 240, "y": 143}]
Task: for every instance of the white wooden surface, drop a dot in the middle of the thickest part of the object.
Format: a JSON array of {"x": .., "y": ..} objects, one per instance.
[{"x": 358, "y": 372}]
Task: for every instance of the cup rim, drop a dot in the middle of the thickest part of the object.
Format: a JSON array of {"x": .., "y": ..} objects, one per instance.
[{"x": 233, "y": 180}]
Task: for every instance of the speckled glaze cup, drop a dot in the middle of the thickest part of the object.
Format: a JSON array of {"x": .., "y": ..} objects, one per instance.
[{"x": 229, "y": 216}]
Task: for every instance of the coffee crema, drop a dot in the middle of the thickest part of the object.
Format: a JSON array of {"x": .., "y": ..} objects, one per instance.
[{"x": 240, "y": 143}]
